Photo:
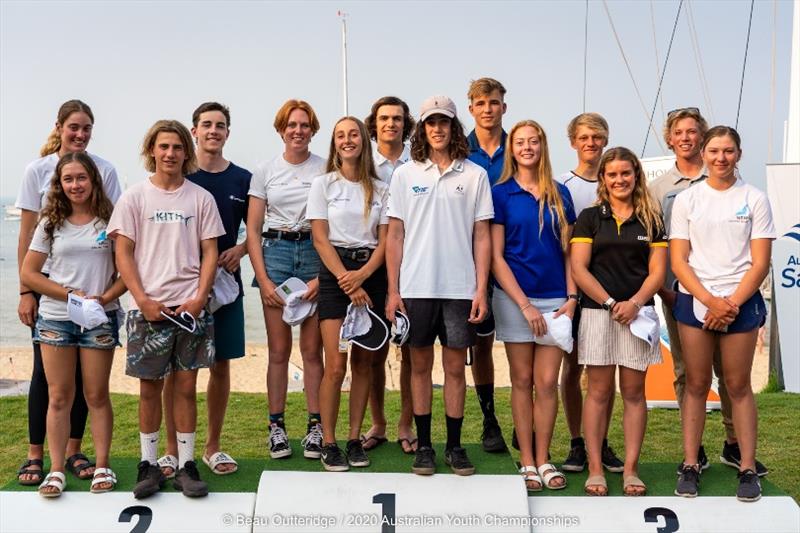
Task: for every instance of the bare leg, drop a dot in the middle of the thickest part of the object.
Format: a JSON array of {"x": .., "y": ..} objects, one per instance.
[
  {"x": 455, "y": 384},
  {"x": 634, "y": 418},
  {"x": 571, "y": 396},
  {"x": 698, "y": 347},
  {"x": 598, "y": 395},
  {"x": 520, "y": 362},
  {"x": 311, "y": 351},
  {"x": 404, "y": 424},
  {"x": 360, "y": 368},
  {"x": 168, "y": 399},
  {"x": 377, "y": 393},
  {"x": 218, "y": 392},
  {"x": 59, "y": 366},
  {"x": 96, "y": 368},
  {"x": 737, "y": 358},
  {"x": 279, "y": 348},
  {"x": 330, "y": 390}
]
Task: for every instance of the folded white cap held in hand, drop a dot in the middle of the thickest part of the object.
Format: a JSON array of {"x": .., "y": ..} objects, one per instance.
[
  {"x": 364, "y": 328},
  {"x": 295, "y": 310},
  {"x": 646, "y": 325},
  {"x": 85, "y": 312},
  {"x": 559, "y": 331}
]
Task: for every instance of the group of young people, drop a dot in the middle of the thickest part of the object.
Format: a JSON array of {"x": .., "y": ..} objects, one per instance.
[{"x": 458, "y": 237}]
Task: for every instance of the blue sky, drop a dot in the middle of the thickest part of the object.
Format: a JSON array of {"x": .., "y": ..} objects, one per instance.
[{"x": 136, "y": 62}]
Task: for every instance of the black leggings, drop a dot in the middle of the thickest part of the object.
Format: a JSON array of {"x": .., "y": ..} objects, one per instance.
[{"x": 38, "y": 399}]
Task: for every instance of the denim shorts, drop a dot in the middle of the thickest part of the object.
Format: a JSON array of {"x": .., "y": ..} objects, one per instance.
[
  {"x": 286, "y": 259},
  {"x": 752, "y": 313},
  {"x": 68, "y": 333}
]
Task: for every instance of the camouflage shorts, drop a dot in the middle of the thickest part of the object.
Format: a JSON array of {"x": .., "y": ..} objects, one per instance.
[{"x": 157, "y": 348}]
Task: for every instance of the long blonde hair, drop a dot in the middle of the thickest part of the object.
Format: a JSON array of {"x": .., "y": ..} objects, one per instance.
[
  {"x": 365, "y": 169},
  {"x": 644, "y": 208},
  {"x": 53, "y": 143},
  {"x": 548, "y": 189}
]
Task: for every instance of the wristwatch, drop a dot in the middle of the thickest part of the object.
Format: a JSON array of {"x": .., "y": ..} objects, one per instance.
[
  {"x": 608, "y": 304},
  {"x": 575, "y": 297}
]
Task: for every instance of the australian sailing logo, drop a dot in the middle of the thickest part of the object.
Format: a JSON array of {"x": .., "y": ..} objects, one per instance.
[
  {"x": 169, "y": 217},
  {"x": 743, "y": 214}
]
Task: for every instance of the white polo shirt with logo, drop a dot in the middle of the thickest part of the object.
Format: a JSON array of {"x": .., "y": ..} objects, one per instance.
[
  {"x": 384, "y": 167},
  {"x": 439, "y": 212}
]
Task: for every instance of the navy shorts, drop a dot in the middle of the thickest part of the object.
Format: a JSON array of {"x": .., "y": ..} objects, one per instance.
[
  {"x": 229, "y": 330},
  {"x": 752, "y": 314}
]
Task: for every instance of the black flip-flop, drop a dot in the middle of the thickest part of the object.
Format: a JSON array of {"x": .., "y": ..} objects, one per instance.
[
  {"x": 38, "y": 474},
  {"x": 374, "y": 438},
  {"x": 77, "y": 470},
  {"x": 410, "y": 442}
]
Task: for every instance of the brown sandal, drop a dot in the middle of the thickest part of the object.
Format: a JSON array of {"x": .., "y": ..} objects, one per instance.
[
  {"x": 633, "y": 486},
  {"x": 596, "y": 481}
]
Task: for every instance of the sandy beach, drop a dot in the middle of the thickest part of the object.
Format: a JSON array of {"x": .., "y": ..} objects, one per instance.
[{"x": 248, "y": 374}]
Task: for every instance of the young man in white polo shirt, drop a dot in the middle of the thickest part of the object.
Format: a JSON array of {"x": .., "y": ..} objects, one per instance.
[
  {"x": 437, "y": 258},
  {"x": 390, "y": 125},
  {"x": 588, "y": 136}
]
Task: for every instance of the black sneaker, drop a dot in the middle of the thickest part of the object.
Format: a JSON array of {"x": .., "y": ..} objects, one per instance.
[
  {"x": 576, "y": 460},
  {"x": 492, "y": 437},
  {"x": 356, "y": 456},
  {"x": 424, "y": 461},
  {"x": 732, "y": 456},
  {"x": 702, "y": 458},
  {"x": 749, "y": 489},
  {"x": 188, "y": 481},
  {"x": 149, "y": 480},
  {"x": 456, "y": 458},
  {"x": 688, "y": 482},
  {"x": 610, "y": 461},
  {"x": 332, "y": 458},
  {"x": 278, "y": 442},
  {"x": 312, "y": 442}
]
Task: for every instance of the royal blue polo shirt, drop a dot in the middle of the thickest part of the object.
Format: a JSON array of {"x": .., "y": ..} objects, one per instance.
[
  {"x": 535, "y": 257},
  {"x": 492, "y": 164}
]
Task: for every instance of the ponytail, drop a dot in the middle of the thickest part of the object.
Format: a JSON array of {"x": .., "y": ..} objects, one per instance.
[{"x": 52, "y": 145}]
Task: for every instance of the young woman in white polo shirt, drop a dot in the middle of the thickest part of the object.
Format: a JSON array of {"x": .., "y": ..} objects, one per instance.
[
  {"x": 72, "y": 237},
  {"x": 720, "y": 257},
  {"x": 72, "y": 133},
  {"x": 347, "y": 209},
  {"x": 619, "y": 260},
  {"x": 533, "y": 217},
  {"x": 279, "y": 189}
]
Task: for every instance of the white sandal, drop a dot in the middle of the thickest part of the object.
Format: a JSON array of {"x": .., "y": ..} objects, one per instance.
[
  {"x": 549, "y": 473},
  {"x": 529, "y": 474},
  {"x": 103, "y": 475},
  {"x": 168, "y": 461},
  {"x": 53, "y": 479},
  {"x": 220, "y": 458}
]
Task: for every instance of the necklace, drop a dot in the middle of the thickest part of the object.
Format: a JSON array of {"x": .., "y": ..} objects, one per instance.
[{"x": 621, "y": 217}]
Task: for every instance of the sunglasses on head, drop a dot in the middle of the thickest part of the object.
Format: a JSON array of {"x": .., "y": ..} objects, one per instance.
[{"x": 692, "y": 110}]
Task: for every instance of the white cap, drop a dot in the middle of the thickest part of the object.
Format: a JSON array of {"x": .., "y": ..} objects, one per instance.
[
  {"x": 559, "y": 332},
  {"x": 438, "y": 104},
  {"x": 646, "y": 325},
  {"x": 85, "y": 312}
]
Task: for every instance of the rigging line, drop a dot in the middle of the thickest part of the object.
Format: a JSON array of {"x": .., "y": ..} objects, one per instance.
[
  {"x": 585, "y": 51},
  {"x": 744, "y": 62},
  {"x": 771, "y": 121},
  {"x": 698, "y": 57},
  {"x": 630, "y": 72},
  {"x": 663, "y": 71},
  {"x": 655, "y": 47}
]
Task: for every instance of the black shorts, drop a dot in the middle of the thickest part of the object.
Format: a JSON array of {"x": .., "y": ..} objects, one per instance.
[
  {"x": 435, "y": 317},
  {"x": 333, "y": 302}
]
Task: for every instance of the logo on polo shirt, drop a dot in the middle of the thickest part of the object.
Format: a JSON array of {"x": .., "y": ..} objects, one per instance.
[
  {"x": 170, "y": 217},
  {"x": 743, "y": 214},
  {"x": 232, "y": 197},
  {"x": 418, "y": 191},
  {"x": 103, "y": 237},
  {"x": 643, "y": 238},
  {"x": 460, "y": 189}
]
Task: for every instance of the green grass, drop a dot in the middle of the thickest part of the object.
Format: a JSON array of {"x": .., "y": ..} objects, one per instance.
[{"x": 245, "y": 432}]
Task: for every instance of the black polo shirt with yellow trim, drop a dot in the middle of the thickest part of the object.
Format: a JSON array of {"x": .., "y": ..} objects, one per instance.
[{"x": 620, "y": 252}]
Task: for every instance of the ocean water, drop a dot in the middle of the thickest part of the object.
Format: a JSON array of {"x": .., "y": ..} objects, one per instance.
[{"x": 14, "y": 333}]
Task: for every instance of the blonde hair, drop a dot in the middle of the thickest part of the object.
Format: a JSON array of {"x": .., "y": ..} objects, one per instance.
[
  {"x": 169, "y": 126},
  {"x": 282, "y": 116},
  {"x": 680, "y": 114},
  {"x": 593, "y": 121},
  {"x": 484, "y": 86},
  {"x": 548, "y": 189},
  {"x": 53, "y": 142},
  {"x": 365, "y": 169},
  {"x": 644, "y": 208}
]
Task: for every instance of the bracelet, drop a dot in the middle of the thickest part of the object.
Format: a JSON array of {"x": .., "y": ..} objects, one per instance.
[
  {"x": 637, "y": 304},
  {"x": 524, "y": 307},
  {"x": 23, "y": 293}
]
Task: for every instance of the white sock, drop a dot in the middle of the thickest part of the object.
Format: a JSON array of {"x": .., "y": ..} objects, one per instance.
[
  {"x": 185, "y": 447},
  {"x": 149, "y": 446}
]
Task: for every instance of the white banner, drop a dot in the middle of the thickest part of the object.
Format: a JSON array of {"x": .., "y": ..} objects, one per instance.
[
  {"x": 783, "y": 188},
  {"x": 655, "y": 167}
]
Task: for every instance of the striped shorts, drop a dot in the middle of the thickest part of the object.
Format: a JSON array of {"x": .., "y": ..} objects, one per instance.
[{"x": 604, "y": 341}]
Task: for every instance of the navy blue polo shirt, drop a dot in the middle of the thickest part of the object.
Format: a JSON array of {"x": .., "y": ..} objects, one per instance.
[
  {"x": 535, "y": 257},
  {"x": 229, "y": 189},
  {"x": 492, "y": 164}
]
